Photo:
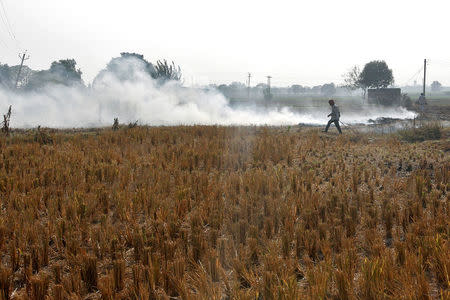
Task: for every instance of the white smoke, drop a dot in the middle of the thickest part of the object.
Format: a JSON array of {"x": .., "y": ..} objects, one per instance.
[{"x": 144, "y": 100}]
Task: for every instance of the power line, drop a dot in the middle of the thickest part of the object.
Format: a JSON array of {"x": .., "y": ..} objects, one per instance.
[
  {"x": 7, "y": 23},
  {"x": 414, "y": 76},
  {"x": 5, "y": 45},
  {"x": 6, "y": 28},
  {"x": 4, "y": 23}
]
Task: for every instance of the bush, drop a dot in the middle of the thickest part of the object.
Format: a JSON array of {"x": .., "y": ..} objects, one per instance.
[{"x": 425, "y": 132}]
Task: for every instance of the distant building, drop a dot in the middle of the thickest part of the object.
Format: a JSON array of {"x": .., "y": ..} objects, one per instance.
[{"x": 385, "y": 96}]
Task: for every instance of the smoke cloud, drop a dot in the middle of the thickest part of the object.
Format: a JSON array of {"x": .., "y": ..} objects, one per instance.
[{"x": 140, "y": 98}]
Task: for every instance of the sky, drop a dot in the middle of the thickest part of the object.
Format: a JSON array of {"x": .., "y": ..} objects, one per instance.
[{"x": 295, "y": 42}]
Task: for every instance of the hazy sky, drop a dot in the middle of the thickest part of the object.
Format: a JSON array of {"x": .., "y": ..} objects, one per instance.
[{"x": 304, "y": 42}]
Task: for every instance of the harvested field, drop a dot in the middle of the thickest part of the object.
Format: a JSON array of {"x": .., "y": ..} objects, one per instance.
[{"x": 205, "y": 212}]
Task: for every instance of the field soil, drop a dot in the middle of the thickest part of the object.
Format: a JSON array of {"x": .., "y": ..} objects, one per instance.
[{"x": 434, "y": 112}]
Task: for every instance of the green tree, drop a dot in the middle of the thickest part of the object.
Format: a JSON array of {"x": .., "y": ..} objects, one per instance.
[{"x": 376, "y": 74}]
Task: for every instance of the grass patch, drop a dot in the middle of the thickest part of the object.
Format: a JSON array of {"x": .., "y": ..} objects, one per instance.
[{"x": 431, "y": 131}]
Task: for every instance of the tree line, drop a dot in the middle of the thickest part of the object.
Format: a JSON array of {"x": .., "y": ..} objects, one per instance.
[
  {"x": 65, "y": 72},
  {"x": 375, "y": 74}
]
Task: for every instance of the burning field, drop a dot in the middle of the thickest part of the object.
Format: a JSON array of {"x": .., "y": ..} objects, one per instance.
[{"x": 207, "y": 212}]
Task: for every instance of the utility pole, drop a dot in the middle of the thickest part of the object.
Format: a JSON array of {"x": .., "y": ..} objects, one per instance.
[
  {"x": 23, "y": 57},
  {"x": 248, "y": 88},
  {"x": 424, "y": 75},
  {"x": 268, "y": 83}
]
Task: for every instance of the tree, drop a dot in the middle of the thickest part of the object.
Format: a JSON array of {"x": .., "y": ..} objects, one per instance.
[
  {"x": 328, "y": 89},
  {"x": 376, "y": 74},
  {"x": 352, "y": 79},
  {"x": 166, "y": 72},
  {"x": 267, "y": 94},
  {"x": 6, "y": 78},
  {"x": 66, "y": 70},
  {"x": 436, "y": 86},
  {"x": 316, "y": 89},
  {"x": 62, "y": 72},
  {"x": 297, "y": 89},
  {"x": 236, "y": 85},
  {"x": 130, "y": 66},
  {"x": 222, "y": 87},
  {"x": 127, "y": 66}
]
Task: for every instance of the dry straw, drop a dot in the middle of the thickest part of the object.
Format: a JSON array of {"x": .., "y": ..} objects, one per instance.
[{"x": 205, "y": 212}]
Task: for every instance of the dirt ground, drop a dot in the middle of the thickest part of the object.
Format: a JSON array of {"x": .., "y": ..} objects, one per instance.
[{"x": 434, "y": 112}]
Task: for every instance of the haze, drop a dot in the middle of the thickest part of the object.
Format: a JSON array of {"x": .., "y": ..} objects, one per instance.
[{"x": 297, "y": 42}]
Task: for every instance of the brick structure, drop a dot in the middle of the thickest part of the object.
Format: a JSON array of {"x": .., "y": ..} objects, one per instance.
[{"x": 385, "y": 96}]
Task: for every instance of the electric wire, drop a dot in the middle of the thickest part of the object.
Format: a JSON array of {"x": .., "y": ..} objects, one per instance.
[
  {"x": 414, "y": 76},
  {"x": 4, "y": 44},
  {"x": 8, "y": 27},
  {"x": 6, "y": 21}
]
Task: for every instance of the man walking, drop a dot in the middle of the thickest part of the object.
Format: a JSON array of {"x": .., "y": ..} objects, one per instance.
[{"x": 335, "y": 115}]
